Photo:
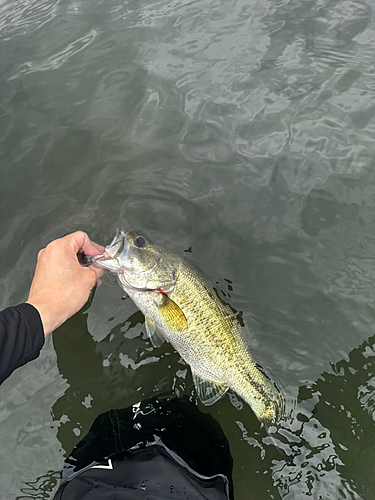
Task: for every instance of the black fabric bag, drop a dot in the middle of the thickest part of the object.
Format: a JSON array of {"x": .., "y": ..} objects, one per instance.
[{"x": 157, "y": 449}]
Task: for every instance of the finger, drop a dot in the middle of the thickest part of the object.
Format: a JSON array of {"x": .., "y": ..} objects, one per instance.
[
  {"x": 80, "y": 241},
  {"x": 90, "y": 275},
  {"x": 89, "y": 247},
  {"x": 98, "y": 272},
  {"x": 99, "y": 248}
]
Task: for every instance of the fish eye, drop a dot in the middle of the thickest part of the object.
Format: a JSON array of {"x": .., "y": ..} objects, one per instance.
[{"x": 139, "y": 242}]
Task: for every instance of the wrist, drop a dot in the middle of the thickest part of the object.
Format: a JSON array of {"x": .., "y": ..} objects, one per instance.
[{"x": 47, "y": 316}]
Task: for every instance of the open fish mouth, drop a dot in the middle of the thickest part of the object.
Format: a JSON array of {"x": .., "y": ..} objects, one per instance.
[{"x": 111, "y": 254}]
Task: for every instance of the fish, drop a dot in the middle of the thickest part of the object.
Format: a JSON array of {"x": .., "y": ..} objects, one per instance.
[{"x": 181, "y": 306}]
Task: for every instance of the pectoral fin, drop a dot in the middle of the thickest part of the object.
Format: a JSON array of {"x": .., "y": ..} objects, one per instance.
[
  {"x": 172, "y": 315},
  {"x": 153, "y": 333},
  {"x": 208, "y": 391}
]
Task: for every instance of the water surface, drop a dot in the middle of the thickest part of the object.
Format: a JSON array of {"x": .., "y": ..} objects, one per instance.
[{"x": 239, "y": 134}]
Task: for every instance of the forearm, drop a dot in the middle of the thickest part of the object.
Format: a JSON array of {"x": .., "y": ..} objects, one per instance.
[{"x": 21, "y": 337}]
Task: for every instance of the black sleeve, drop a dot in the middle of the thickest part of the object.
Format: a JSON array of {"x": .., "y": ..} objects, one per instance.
[{"x": 21, "y": 337}]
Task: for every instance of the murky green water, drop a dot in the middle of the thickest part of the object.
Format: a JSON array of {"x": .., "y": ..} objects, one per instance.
[{"x": 242, "y": 130}]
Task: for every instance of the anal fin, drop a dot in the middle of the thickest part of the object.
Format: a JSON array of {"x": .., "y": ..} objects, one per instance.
[
  {"x": 208, "y": 391},
  {"x": 153, "y": 333}
]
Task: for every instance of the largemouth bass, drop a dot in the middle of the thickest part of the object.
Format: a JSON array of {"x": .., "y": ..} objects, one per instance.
[{"x": 182, "y": 307}]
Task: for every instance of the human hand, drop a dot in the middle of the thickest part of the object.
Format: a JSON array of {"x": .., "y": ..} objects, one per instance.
[{"x": 61, "y": 286}]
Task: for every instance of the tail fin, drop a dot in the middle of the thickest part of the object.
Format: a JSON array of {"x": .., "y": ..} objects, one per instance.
[{"x": 280, "y": 435}]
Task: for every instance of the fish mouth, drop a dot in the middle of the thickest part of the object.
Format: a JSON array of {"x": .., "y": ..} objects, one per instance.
[{"x": 109, "y": 259}]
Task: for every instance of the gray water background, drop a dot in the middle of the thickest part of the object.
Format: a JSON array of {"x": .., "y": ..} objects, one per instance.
[{"x": 242, "y": 131}]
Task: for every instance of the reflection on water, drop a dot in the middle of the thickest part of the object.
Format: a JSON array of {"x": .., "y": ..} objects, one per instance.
[
  {"x": 242, "y": 131},
  {"x": 42, "y": 488}
]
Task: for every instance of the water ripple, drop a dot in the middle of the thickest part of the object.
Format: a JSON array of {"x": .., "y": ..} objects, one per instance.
[
  {"x": 56, "y": 60},
  {"x": 20, "y": 17}
]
